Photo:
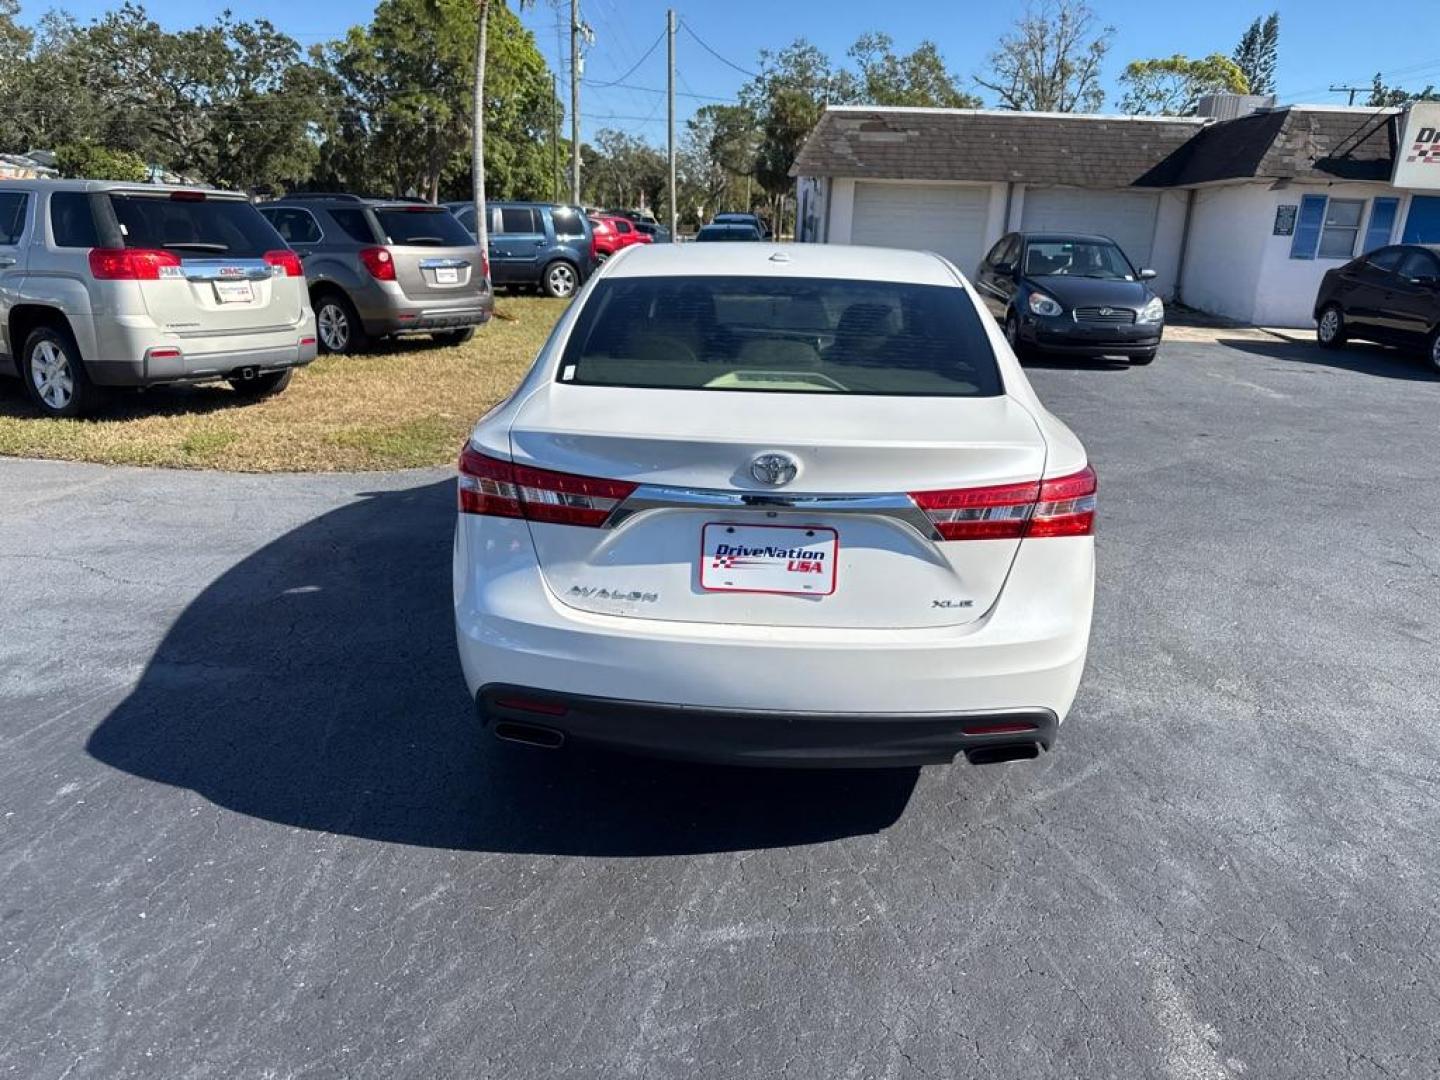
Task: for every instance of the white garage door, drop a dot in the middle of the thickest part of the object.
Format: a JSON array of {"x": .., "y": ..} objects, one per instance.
[
  {"x": 1127, "y": 217},
  {"x": 950, "y": 220}
]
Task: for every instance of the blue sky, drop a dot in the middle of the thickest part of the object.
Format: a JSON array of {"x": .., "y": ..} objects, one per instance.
[{"x": 1321, "y": 41}]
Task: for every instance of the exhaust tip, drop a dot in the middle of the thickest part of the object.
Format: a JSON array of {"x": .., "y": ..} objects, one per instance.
[
  {"x": 545, "y": 738},
  {"x": 1002, "y": 752}
]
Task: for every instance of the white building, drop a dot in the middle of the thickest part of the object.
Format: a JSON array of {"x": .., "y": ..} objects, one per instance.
[{"x": 1239, "y": 217}]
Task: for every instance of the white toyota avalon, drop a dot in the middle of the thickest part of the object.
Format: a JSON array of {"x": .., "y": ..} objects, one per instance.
[{"x": 782, "y": 505}]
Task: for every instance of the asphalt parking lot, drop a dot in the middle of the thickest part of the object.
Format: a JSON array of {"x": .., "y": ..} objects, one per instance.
[{"x": 248, "y": 827}]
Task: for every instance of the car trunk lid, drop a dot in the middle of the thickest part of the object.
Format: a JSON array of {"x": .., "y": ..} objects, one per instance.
[{"x": 842, "y": 544}]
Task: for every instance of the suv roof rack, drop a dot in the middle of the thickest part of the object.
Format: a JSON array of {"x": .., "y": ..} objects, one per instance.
[{"x": 341, "y": 196}]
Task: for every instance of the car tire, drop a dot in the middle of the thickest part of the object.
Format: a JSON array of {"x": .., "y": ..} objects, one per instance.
[
  {"x": 263, "y": 386},
  {"x": 1433, "y": 351},
  {"x": 559, "y": 280},
  {"x": 337, "y": 325},
  {"x": 1144, "y": 357},
  {"x": 1330, "y": 330},
  {"x": 451, "y": 338},
  {"x": 1012, "y": 336},
  {"x": 55, "y": 376}
]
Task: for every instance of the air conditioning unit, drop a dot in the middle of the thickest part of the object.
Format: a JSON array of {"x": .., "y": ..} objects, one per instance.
[{"x": 1233, "y": 106}]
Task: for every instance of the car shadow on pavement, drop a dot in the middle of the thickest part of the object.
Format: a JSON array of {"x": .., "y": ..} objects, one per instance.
[
  {"x": 316, "y": 685},
  {"x": 1076, "y": 363},
  {"x": 1362, "y": 358}
]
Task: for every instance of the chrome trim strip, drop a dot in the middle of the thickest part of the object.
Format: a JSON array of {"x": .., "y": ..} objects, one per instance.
[
  {"x": 444, "y": 264},
  {"x": 897, "y": 507},
  {"x": 209, "y": 269}
]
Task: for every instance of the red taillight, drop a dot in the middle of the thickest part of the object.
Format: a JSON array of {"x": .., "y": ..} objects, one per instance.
[
  {"x": 544, "y": 708},
  {"x": 130, "y": 264},
  {"x": 1064, "y": 506},
  {"x": 187, "y": 196},
  {"x": 485, "y": 267},
  {"x": 501, "y": 489},
  {"x": 378, "y": 261},
  {"x": 287, "y": 260}
]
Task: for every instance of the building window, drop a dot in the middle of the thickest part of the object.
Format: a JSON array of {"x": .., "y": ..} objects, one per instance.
[
  {"x": 1328, "y": 228},
  {"x": 1342, "y": 228},
  {"x": 1383, "y": 213}
]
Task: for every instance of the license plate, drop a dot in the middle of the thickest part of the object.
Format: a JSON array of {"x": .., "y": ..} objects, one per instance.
[
  {"x": 447, "y": 275},
  {"x": 794, "y": 559},
  {"x": 234, "y": 292}
]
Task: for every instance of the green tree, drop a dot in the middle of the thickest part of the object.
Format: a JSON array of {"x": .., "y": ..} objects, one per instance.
[
  {"x": 1050, "y": 60},
  {"x": 84, "y": 160},
  {"x": 1258, "y": 53},
  {"x": 1382, "y": 96},
  {"x": 918, "y": 78},
  {"x": 1174, "y": 85}
]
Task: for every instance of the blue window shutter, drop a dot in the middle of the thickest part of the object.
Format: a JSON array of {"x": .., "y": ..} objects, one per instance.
[
  {"x": 1382, "y": 222},
  {"x": 1307, "y": 229}
]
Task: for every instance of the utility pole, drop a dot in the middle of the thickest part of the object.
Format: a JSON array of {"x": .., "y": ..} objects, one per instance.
[
  {"x": 554, "y": 138},
  {"x": 575, "y": 102},
  {"x": 1351, "y": 90},
  {"x": 670, "y": 121}
]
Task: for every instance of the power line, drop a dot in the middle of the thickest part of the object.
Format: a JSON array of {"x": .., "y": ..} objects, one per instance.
[
  {"x": 657, "y": 90},
  {"x": 620, "y": 81},
  {"x": 701, "y": 41}
]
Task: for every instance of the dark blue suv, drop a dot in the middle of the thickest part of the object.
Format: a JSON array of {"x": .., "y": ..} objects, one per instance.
[{"x": 535, "y": 244}]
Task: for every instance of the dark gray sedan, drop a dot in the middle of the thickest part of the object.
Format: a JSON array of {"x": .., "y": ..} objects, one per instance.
[{"x": 1072, "y": 294}]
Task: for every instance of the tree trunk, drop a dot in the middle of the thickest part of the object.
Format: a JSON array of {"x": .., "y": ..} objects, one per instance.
[{"x": 477, "y": 126}]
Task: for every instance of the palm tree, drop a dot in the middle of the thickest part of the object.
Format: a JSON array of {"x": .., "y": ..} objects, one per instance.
[{"x": 477, "y": 165}]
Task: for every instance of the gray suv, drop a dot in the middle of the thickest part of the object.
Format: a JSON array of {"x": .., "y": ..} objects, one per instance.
[
  {"x": 377, "y": 268},
  {"x": 109, "y": 284}
]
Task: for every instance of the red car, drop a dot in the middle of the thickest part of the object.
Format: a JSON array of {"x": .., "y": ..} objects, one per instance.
[{"x": 610, "y": 234}]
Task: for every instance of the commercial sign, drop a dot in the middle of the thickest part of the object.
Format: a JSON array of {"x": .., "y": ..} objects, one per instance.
[{"x": 1417, "y": 157}]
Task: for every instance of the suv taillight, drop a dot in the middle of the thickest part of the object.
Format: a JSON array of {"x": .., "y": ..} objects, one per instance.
[
  {"x": 502, "y": 489},
  {"x": 130, "y": 264},
  {"x": 378, "y": 261},
  {"x": 1064, "y": 506},
  {"x": 287, "y": 260}
]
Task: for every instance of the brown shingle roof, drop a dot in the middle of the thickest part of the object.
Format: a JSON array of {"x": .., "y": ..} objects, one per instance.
[
  {"x": 1098, "y": 151},
  {"x": 963, "y": 144}
]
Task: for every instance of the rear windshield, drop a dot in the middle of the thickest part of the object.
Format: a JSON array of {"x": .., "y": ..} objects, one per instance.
[
  {"x": 727, "y": 233},
  {"x": 423, "y": 226},
  {"x": 191, "y": 226},
  {"x": 782, "y": 335}
]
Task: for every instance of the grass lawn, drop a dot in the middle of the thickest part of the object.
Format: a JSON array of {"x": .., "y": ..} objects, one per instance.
[{"x": 405, "y": 406}]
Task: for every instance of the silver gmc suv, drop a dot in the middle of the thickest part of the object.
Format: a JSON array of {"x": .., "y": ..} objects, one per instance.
[
  {"x": 378, "y": 268},
  {"x": 108, "y": 284}
]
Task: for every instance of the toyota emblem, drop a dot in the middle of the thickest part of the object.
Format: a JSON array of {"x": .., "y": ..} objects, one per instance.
[{"x": 774, "y": 470}]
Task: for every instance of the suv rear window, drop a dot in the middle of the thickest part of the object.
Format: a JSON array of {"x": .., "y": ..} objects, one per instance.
[
  {"x": 423, "y": 226},
  {"x": 194, "y": 226},
  {"x": 569, "y": 224},
  {"x": 785, "y": 335}
]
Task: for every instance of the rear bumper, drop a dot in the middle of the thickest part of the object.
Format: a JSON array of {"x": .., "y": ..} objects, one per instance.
[
  {"x": 148, "y": 361},
  {"x": 1025, "y": 655},
  {"x": 385, "y": 309},
  {"x": 756, "y": 737}
]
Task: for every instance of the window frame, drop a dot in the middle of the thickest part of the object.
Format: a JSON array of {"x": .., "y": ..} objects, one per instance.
[
  {"x": 319, "y": 229},
  {"x": 1312, "y": 224},
  {"x": 26, "y": 202}
]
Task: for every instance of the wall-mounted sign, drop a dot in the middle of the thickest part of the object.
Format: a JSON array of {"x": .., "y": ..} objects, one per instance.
[
  {"x": 1285, "y": 219},
  {"x": 1417, "y": 157}
]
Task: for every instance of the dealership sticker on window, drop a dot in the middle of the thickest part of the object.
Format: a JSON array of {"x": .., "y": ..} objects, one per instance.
[
  {"x": 1285, "y": 219},
  {"x": 794, "y": 559}
]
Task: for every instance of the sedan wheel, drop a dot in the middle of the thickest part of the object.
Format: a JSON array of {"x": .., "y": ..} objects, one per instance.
[
  {"x": 560, "y": 280},
  {"x": 1331, "y": 331}
]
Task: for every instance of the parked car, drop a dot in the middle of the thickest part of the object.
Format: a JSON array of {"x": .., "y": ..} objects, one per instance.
[
  {"x": 735, "y": 218},
  {"x": 727, "y": 233},
  {"x": 657, "y": 233},
  {"x": 791, "y": 511},
  {"x": 377, "y": 268},
  {"x": 542, "y": 245},
  {"x": 110, "y": 284},
  {"x": 612, "y": 234},
  {"x": 1391, "y": 296},
  {"x": 1073, "y": 294}
]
